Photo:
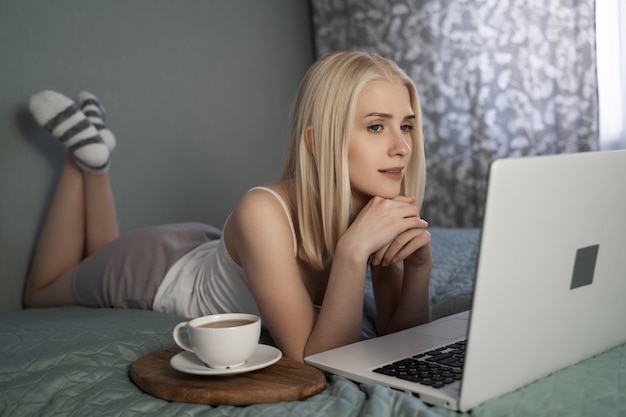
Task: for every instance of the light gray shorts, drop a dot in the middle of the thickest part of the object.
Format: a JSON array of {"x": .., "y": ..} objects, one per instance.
[{"x": 128, "y": 271}]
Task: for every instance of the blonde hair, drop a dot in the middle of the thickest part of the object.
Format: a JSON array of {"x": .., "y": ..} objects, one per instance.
[{"x": 318, "y": 165}]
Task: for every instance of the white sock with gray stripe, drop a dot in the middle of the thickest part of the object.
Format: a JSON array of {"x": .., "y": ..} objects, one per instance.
[
  {"x": 61, "y": 116},
  {"x": 94, "y": 110}
]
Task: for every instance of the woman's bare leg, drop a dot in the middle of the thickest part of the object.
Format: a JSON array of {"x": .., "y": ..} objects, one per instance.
[
  {"x": 61, "y": 243},
  {"x": 100, "y": 215},
  {"x": 81, "y": 218}
]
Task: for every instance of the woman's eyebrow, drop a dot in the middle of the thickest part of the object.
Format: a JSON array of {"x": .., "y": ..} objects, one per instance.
[{"x": 388, "y": 116}]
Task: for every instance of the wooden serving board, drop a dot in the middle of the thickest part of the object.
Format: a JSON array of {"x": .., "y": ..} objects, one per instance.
[{"x": 286, "y": 380}]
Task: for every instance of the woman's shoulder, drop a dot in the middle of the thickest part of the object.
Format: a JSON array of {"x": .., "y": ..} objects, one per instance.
[
  {"x": 261, "y": 212},
  {"x": 266, "y": 195},
  {"x": 268, "y": 203}
]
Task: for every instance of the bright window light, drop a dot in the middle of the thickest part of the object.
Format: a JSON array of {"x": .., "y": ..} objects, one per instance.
[{"x": 611, "y": 67}]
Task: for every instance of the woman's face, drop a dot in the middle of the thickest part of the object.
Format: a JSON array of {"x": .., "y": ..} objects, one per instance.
[{"x": 380, "y": 145}]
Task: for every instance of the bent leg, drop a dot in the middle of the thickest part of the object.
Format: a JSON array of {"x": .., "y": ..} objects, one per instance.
[
  {"x": 82, "y": 217},
  {"x": 61, "y": 243},
  {"x": 59, "y": 292},
  {"x": 80, "y": 221},
  {"x": 100, "y": 215}
]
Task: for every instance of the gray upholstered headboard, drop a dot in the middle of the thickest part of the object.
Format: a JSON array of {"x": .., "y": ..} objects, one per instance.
[{"x": 197, "y": 93}]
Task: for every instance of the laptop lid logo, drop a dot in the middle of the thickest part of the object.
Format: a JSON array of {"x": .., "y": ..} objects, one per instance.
[{"x": 584, "y": 266}]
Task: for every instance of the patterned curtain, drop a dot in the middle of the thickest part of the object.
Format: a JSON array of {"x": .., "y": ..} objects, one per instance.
[{"x": 497, "y": 78}]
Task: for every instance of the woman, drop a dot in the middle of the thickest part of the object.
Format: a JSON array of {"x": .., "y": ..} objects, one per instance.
[{"x": 295, "y": 251}]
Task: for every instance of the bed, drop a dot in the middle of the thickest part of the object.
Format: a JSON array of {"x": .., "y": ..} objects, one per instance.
[{"x": 75, "y": 361}]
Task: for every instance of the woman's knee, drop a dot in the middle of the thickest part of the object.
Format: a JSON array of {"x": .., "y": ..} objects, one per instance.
[{"x": 58, "y": 293}]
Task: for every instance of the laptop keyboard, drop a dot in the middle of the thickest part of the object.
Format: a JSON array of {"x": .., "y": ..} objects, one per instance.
[{"x": 436, "y": 368}]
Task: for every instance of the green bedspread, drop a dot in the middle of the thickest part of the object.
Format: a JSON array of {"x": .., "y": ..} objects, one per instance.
[{"x": 75, "y": 361}]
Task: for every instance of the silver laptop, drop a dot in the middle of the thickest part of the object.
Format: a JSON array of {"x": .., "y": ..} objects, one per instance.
[{"x": 549, "y": 291}]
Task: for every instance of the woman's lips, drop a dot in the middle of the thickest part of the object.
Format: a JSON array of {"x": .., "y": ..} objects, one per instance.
[{"x": 393, "y": 173}]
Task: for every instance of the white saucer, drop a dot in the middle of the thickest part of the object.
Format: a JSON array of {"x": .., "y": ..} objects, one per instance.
[{"x": 262, "y": 357}]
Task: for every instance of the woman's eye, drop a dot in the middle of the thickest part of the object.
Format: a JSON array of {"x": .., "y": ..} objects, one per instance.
[
  {"x": 376, "y": 128},
  {"x": 406, "y": 128}
]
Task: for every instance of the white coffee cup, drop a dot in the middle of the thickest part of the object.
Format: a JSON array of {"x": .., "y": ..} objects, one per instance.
[{"x": 221, "y": 340}]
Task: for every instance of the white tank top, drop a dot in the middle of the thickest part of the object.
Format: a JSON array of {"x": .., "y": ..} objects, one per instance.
[{"x": 207, "y": 280}]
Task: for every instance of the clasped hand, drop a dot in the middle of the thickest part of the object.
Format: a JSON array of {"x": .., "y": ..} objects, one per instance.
[{"x": 395, "y": 232}]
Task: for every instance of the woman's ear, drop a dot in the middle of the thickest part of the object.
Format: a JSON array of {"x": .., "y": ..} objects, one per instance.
[{"x": 308, "y": 138}]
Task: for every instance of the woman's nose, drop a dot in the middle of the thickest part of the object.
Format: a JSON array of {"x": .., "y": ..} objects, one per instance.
[{"x": 400, "y": 145}]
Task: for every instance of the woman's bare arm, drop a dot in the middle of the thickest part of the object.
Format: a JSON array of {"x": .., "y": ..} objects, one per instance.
[{"x": 260, "y": 232}]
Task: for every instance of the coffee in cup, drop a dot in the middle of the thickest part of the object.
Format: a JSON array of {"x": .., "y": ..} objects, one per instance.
[{"x": 221, "y": 341}]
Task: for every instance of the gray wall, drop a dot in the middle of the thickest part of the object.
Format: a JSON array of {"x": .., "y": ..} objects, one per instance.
[{"x": 197, "y": 92}]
